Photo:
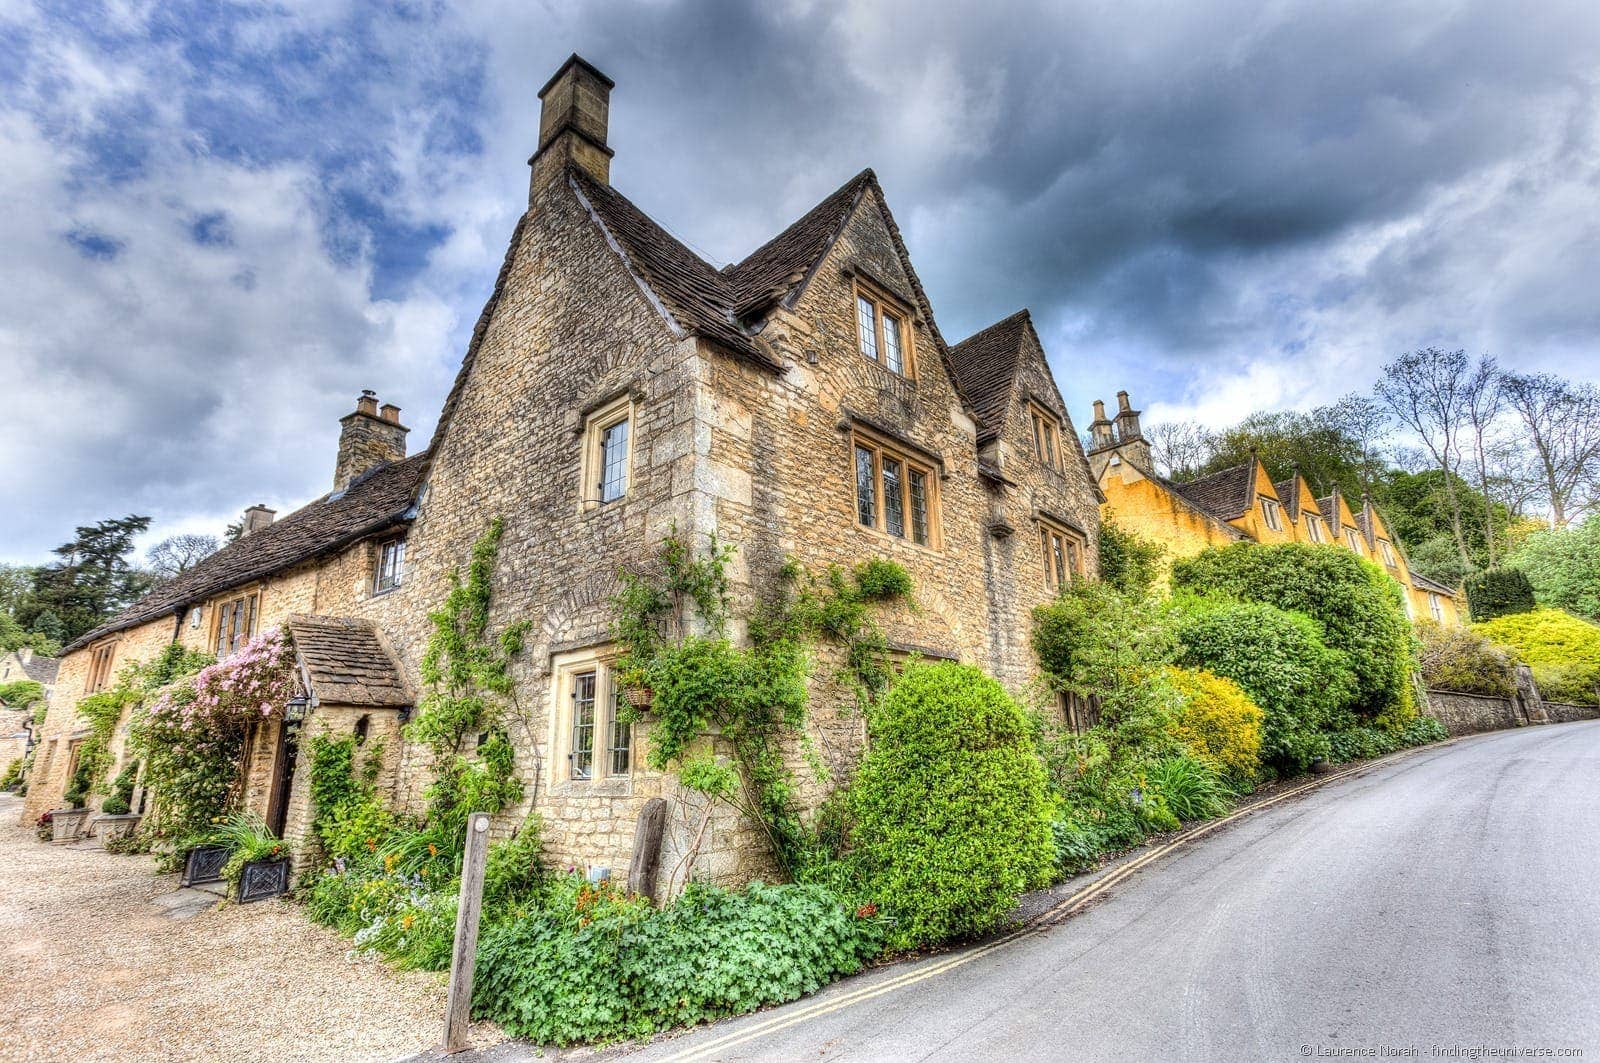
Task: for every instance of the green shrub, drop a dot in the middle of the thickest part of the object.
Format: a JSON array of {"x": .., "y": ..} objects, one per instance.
[
  {"x": 20, "y": 693},
  {"x": 589, "y": 963},
  {"x": 1461, "y": 659},
  {"x": 1129, "y": 562},
  {"x": 1189, "y": 788},
  {"x": 1078, "y": 846},
  {"x": 1360, "y": 608},
  {"x": 1563, "y": 651},
  {"x": 1219, "y": 723},
  {"x": 1280, "y": 660},
  {"x": 1563, "y": 564},
  {"x": 951, "y": 819},
  {"x": 1362, "y": 743},
  {"x": 1496, "y": 592}
]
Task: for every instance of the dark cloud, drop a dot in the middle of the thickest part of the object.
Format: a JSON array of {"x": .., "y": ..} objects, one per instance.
[{"x": 1220, "y": 205}]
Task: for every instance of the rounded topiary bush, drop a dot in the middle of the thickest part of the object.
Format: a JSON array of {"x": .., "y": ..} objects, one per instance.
[
  {"x": 1497, "y": 592},
  {"x": 1360, "y": 608},
  {"x": 951, "y": 814},
  {"x": 1219, "y": 723},
  {"x": 1279, "y": 659}
]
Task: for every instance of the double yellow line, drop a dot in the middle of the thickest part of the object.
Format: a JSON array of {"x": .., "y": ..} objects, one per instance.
[{"x": 1052, "y": 916}]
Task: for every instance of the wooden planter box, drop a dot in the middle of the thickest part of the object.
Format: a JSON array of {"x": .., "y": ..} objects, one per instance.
[
  {"x": 107, "y": 828},
  {"x": 204, "y": 865},
  {"x": 262, "y": 879},
  {"x": 67, "y": 823}
]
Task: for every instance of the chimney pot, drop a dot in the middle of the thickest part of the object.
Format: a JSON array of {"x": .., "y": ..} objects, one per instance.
[
  {"x": 574, "y": 119},
  {"x": 1122, "y": 402},
  {"x": 389, "y": 412},
  {"x": 368, "y": 403},
  {"x": 368, "y": 439},
  {"x": 1099, "y": 409},
  {"x": 257, "y": 517}
]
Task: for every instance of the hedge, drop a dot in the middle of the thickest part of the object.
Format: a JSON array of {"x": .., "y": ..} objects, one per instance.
[
  {"x": 1563, "y": 651},
  {"x": 1219, "y": 723},
  {"x": 1496, "y": 592}
]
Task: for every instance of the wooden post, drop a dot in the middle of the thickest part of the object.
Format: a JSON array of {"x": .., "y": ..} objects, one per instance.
[
  {"x": 647, "y": 848},
  {"x": 458, "y": 1013}
]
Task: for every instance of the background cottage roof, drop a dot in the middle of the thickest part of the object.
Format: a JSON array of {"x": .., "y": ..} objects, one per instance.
[
  {"x": 41, "y": 670},
  {"x": 1226, "y": 494},
  {"x": 985, "y": 367},
  {"x": 1330, "y": 513},
  {"x": 379, "y": 500},
  {"x": 1285, "y": 490},
  {"x": 1431, "y": 584},
  {"x": 346, "y": 662}
]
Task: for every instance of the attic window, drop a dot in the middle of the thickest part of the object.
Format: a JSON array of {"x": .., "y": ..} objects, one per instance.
[
  {"x": 1063, "y": 552},
  {"x": 1314, "y": 528},
  {"x": 608, "y": 454},
  {"x": 236, "y": 621},
  {"x": 1352, "y": 538},
  {"x": 1046, "y": 436},
  {"x": 881, "y": 329},
  {"x": 1387, "y": 551},
  {"x": 1273, "y": 514},
  {"x": 391, "y": 566}
]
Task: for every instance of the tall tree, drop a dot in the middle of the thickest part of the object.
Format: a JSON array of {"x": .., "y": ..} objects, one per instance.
[
  {"x": 1482, "y": 401},
  {"x": 92, "y": 581},
  {"x": 1425, "y": 391},
  {"x": 1563, "y": 426},
  {"x": 1368, "y": 427},
  {"x": 1179, "y": 448},
  {"x": 177, "y": 554}
]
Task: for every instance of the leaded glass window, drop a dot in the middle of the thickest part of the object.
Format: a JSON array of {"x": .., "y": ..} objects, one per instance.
[
  {"x": 866, "y": 489},
  {"x": 583, "y": 705},
  {"x": 866, "y": 321},
  {"x": 894, "y": 516},
  {"x": 891, "y": 344},
  {"x": 919, "y": 507},
  {"x": 614, "y": 461}
]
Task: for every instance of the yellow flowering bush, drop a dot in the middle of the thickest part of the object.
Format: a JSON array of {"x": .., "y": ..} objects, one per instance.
[{"x": 1219, "y": 723}]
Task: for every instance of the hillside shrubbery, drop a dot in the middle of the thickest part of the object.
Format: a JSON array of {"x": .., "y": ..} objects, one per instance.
[
  {"x": 1463, "y": 660},
  {"x": 1563, "y": 651}
]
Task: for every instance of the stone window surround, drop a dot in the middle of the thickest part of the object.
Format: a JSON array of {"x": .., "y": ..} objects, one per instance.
[
  {"x": 883, "y": 302},
  {"x": 101, "y": 657},
  {"x": 1051, "y": 528},
  {"x": 379, "y": 557},
  {"x": 603, "y": 415},
  {"x": 1046, "y": 433},
  {"x": 1352, "y": 538},
  {"x": 222, "y": 606},
  {"x": 565, "y": 667},
  {"x": 862, "y": 435},
  {"x": 1314, "y": 528},
  {"x": 1272, "y": 513},
  {"x": 1387, "y": 552}
]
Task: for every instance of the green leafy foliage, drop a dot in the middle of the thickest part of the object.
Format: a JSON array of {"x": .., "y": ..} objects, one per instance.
[
  {"x": 1464, "y": 660},
  {"x": 1129, "y": 562},
  {"x": 120, "y": 801},
  {"x": 951, "y": 815},
  {"x": 589, "y": 963},
  {"x": 1190, "y": 788},
  {"x": 1359, "y": 607},
  {"x": 247, "y": 839},
  {"x": 1499, "y": 592},
  {"x": 1563, "y": 650},
  {"x": 20, "y": 694},
  {"x": 1280, "y": 660},
  {"x": 1563, "y": 565}
]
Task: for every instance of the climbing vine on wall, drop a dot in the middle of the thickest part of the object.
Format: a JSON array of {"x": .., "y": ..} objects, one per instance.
[
  {"x": 752, "y": 697},
  {"x": 468, "y": 679}
]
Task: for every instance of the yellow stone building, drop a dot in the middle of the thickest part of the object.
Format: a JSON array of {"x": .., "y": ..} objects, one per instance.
[{"x": 1243, "y": 504}]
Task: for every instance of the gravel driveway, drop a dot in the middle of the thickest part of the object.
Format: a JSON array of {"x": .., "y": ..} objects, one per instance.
[{"x": 92, "y": 970}]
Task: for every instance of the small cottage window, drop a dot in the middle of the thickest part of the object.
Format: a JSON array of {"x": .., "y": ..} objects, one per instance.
[
  {"x": 881, "y": 330},
  {"x": 608, "y": 454},
  {"x": 391, "y": 566},
  {"x": 1314, "y": 528},
  {"x": 1436, "y": 606},
  {"x": 236, "y": 621},
  {"x": 1387, "y": 551},
  {"x": 1273, "y": 514},
  {"x": 1062, "y": 551},
  {"x": 895, "y": 493},
  {"x": 1352, "y": 538},
  {"x": 1046, "y": 436},
  {"x": 100, "y": 659},
  {"x": 593, "y": 723}
]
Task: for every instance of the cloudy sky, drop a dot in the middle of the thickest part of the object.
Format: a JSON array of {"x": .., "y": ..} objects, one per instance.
[{"x": 222, "y": 221}]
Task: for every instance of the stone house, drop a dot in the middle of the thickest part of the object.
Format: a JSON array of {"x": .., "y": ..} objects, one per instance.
[
  {"x": 16, "y": 724},
  {"x": 1242, "y": 503},
  {"x": 617, "y": 389}
]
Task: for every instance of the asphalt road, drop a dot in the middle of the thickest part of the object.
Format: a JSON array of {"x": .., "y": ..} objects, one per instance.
[{"x": 1446, "y": 902}]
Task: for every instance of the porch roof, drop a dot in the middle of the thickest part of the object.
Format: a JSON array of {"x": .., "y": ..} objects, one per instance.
[{"x": 346, "y": 662}]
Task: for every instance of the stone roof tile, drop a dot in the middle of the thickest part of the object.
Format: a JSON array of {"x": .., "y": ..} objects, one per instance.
[
  {"x": 346, "y": 662},
  {"x": 1226, "y": 494},
  {"x": 985, "y": 367}
]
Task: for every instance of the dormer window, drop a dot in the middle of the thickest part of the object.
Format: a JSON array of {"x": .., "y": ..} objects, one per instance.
[
  {"x": 1352, "y": 538},
  {"x": 236, "y": 622},
  {"x": 1387, "y": 551},
  {"x": 881, "y": 330},
  {"x": 1271, "y": 512},
  {"x": 1046, "y": 436},
  {"x": 1063, "y": 552},
  {"x": 1314, "y": 529},
  {"x": 391, "y": 566}
]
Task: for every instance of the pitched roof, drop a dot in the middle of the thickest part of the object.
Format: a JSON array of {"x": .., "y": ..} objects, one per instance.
[
  {"x": 1330, "y": 512},
  {"x": 378, "y": 500},
  {"x": 41, "y": 670},
  {"x": 985, "y": 367},
  {"x": 346, "y": 662},
  {"x": 1285, "y": 490},
  {"x": 771, "y": 271},
  {"x": 1226, "y": 494},
  {"x": 1431, "y": 584},
  {"x": 697, "y": 298}
]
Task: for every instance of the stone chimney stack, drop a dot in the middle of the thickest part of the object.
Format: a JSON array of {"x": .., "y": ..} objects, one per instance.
[
  {"x": 1100, "y": 435},
  {"x": 368, "y": 438},
  {"x": 573, "y": 121},
  {"x": 256, "y": 518},
  {"x": 1127, "y": 419}
]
